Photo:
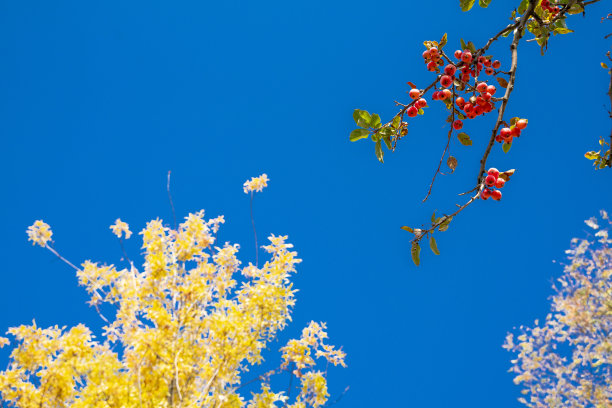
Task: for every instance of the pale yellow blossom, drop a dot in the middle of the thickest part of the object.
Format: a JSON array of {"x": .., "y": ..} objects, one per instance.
[
  {"x": 256, "y": 184},
  {"x": 120, "y": 227},
  {"x": 39, "y": 233}
]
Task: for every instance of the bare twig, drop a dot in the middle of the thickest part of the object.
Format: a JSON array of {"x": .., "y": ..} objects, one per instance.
[
  {"x": 170, "y": 198},
  {"x": 254, "y": 233},
  {"x": 610, "y": 113}
]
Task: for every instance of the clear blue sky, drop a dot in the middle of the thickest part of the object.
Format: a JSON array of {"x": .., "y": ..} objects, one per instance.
[{"x": 100, "y": 99}]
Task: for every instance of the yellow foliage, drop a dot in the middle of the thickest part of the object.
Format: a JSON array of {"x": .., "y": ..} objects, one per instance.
[{"x": 186, "y": 328}]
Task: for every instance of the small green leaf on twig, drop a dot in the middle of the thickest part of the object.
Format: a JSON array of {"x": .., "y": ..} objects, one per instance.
[
  {"x": 379, "y": 152},
  {"x": 466, "y": 5},
  {"x": 358, "y": 134},
  {"x": 433, "y": 246},
  {"x": 415, "y": 251},
  {"x": 464, "y": 139},
  {"x": 506, "y": 147},
  {"x": 405, "y": 228}
]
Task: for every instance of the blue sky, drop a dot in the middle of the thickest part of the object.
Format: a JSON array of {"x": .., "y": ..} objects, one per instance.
[{"x": 101, "y": 99}]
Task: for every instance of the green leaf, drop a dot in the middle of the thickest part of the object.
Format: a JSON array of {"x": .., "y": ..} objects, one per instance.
[
  {"x": 359, "y": 134},
  {"x": 506, "y": 147},
  {"x": 443, "y": 40},
  {"x": 386, "y": 131},
  {"x": 464, "y": 139},
  {"x": 466, "y": 5},
  {"x": 362, "y": 118},
  {"x": 514, "y": 120},
  {"x": 396, "y": 121},
  {"x": 387, "y": 140},
  {"x": 604, "y": 66},
  {"x": 484, "y": 3},
  {"x": 471, "y": 47},
  {"x": 420, "y": 111},
  {"x": 433, "y": 246},
  {"x": 415, "y": 251},
  {"x": 575, "y": 9},
  {"x": 444, "y": 225},
  {"x": 375, "y": 121},
  {"x": 463, "y": 44},
  {"x": 405, "y": 228},
  {"x": 433, "y": 217},
  {"x": 562, "y": 30},
  {"x": 379, "y": 152},
  {"x": 523, "y": 6}
]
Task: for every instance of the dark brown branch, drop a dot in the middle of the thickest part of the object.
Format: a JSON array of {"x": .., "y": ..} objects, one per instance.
[
  {"x": 518, "y": 33},
  {"x": 610, "y": 113}
]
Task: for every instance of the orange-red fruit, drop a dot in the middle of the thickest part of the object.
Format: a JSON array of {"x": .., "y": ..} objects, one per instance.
[
  {"x": 431, "y": 66},
  {"x": 496, "y": 64},
  {"x": 435, "y": 96},
  {"x": 485, "y": 194},
  {"x": 521, "y": 124},
  {"x": 489, "y": 71},
  {"x": 500, "y": 183},
  {"x": 450, "y": 69},
  {"x": 414, "y": 93},
  {"x": 491, "y": 89},
  {"x": 460, "y": 102},
  {"x": 412, "y": 111},
  {"x": 505, "y": 132},
  {"x": 426, "y": 54},
  {"x": 493, "y": 172},
  {"x": 490, "y": 180},
  {"x": 446, "y": 81},
  {"x": 487, "y": 63},
  {"x": 422, "y": 103},
  {"x": 496, "y": 195},
  {"x": 445, "y": 94},
  {"x": 457, "y": 124},
  {"x": 458, "y": 54},
  {"x": 466, "y": 56},
  {"x": 433, "y": 51},
  {"x": 515, "y": 131},
  {"x": 481, "y": 87}
]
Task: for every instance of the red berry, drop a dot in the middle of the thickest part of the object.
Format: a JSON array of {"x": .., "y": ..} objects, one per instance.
[
  {"x": 431, "y": 66},
  {"x": 457, "y": 124},
  {"x": 481, "y": 87},
  {"x": 491, "y": 89},
  {"x": 465, "y": 77},
  {"x": 412, "y": 111},
  {"x": 468, "y": 107},
  {"x": 458, "y": 54},
  {"x": 433, "y": 51},
  {"x": 496, "y": 195},
  {"x": 446, "y": 93},
  {"x": 460, "y": 102},
  {"x": 490, "y": 180},
  {"x": 466, "y": 56},
  {"x": 414, "y": 93},
  {"x": 478, "y": 110},
  {"x": 486, "y": 96},
  {"x": 500, "y": 183},
  {"x": 493, "y": 172},
  {"x": 421, "y": 103},
  {"x": 480, "y": 101},
  {"x": 446, "y": 81},
  {"x": 514, "y": 131},
  {"x": 435, "y": 57},
  {"x": 485, "y": 194},
  {"x": 498, "y": 139},
  {"x": 450, "y": 69},
  {"x": 505, "y": 132},
  {"x": 496, "y": 64},
  {"x": 487, "y": 63},
  {"x": 426, "y": 54},
  {"x": 489, "y": 107},
  {"x": 521, "y": 124}
]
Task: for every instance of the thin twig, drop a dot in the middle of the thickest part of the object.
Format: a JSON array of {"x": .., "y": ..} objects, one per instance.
[
  {"x": 450, "y": 135},
  {"x": 170, "y": 198},
  {"x": 254, "y": 233},
  {"x": 610, "y": 113},
  {"x": 339, "y": 397}
]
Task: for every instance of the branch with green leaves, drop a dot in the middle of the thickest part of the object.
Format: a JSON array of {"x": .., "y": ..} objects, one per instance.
[{"x": 466, "y": 95}]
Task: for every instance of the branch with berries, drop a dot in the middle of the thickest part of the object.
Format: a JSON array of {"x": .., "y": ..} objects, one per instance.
[{"x": 460, "y": 86}]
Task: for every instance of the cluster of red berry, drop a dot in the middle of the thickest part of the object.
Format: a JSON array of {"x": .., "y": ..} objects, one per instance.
[
  {"x": 506, "y": 134},
  {"x": 492, "y": 180},
  {"x": 546, "y": 6}
]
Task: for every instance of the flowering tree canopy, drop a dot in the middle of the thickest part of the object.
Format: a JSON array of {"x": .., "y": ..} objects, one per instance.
[
  {"x": 567, "y": 360},
  {"x": 186, "y": 328}
]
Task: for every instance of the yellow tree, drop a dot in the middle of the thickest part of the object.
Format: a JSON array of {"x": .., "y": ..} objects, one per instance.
[
  {"x": 186, "y": 327},
  {"x": 567, "y": 360}
]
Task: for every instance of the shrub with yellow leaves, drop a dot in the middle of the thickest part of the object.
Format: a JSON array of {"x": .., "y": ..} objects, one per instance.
[
  {"x": 567, "y": 360},
  {"x": 187, "y": 326}
]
